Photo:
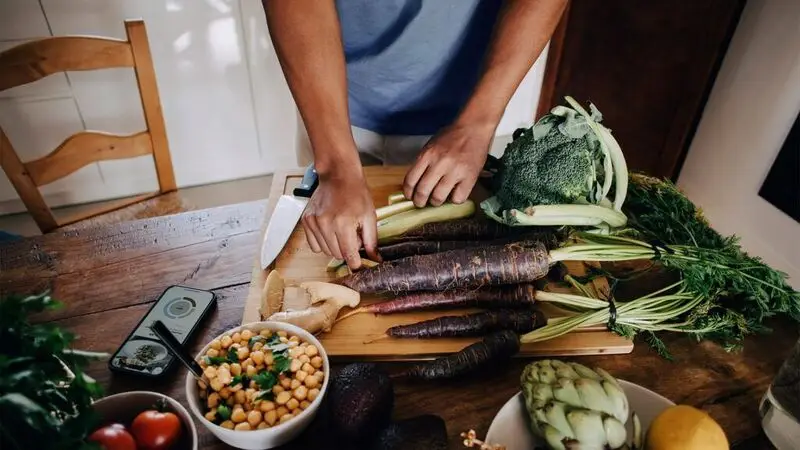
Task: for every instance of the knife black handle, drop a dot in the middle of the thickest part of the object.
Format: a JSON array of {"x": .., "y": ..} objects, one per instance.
[
  {"x": 175, "y": 347},
  {"x": 309, "y": 183}
]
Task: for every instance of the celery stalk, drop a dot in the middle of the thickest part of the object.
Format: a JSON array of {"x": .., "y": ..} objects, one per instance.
[{"x": 398, "y": 224}]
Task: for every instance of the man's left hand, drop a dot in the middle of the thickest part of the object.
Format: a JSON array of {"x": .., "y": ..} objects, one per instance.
[{"x": 449, "y": 165}]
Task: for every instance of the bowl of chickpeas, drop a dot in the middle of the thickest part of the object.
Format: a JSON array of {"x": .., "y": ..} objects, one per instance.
[{"x": 262, "y": 384}]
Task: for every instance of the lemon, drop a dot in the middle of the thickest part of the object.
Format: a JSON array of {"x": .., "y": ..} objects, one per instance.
[{"x": 686, "y": 428}]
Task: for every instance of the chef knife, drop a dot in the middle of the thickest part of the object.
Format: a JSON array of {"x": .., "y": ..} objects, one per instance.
[{"x": 285, "y": 217}]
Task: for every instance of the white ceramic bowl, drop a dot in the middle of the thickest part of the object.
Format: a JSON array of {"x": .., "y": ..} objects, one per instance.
[
  {"x": 125, "y": 406},
  {"x": 267, "y": 437}
]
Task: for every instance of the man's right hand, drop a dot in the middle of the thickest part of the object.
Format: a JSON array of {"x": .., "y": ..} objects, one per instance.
[{"x": 340, "y": 218}]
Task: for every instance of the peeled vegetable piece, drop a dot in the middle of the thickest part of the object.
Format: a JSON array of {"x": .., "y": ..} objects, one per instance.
[
  {"x": 426, "y": 432},
  {"x": 361, "y": 400},
  {"x": 572, "y": 406}
]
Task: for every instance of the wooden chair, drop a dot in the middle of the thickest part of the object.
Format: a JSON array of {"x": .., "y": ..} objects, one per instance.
[{"x": 34, "y": 60}]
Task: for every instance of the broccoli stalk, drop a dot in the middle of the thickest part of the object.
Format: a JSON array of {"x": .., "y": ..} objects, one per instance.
[{"x": 560, "y": 172}]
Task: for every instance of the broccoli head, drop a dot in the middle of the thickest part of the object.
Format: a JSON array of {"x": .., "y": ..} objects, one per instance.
[{"x": 565, "y": 160}]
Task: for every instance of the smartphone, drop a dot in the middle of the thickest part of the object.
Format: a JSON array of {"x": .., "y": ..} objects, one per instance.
[{"x": 181, "y": 309}]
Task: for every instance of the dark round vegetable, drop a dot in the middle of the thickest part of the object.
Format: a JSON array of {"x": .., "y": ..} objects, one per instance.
[{"x": 361, "y": 398}]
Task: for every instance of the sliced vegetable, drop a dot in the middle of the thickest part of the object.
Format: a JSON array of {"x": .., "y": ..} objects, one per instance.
[
  {"x": 396, "y": 197},
  {"x": 334, "y": 264},
  {"x": 394, "y": 209},
  {"x": 468, "y": 325},
  {"x": 396, "y": 225},
  {"x": 493, "y": 349}
]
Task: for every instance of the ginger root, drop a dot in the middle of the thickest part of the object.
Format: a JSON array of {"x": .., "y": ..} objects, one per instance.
[{"x": 326, "y": 299}]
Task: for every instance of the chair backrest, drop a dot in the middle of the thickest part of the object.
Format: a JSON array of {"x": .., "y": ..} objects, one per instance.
[{"x": 37, "y": 59}]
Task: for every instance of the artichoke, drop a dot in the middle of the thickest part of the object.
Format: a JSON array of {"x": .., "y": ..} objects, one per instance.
[{"x": 574, "y": 407}]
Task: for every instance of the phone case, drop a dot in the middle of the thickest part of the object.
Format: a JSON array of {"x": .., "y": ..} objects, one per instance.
[{"x": 211, "y": 305}]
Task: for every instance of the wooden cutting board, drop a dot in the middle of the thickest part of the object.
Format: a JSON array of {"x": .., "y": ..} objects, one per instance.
[{"x": 297, "y": 263}]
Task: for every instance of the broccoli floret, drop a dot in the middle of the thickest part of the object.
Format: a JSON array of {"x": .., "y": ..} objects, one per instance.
[{"x": 555, "y": 169}]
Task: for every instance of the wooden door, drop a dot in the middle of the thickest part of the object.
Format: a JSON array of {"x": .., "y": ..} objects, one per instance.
[{"x": 648, "y": 66}]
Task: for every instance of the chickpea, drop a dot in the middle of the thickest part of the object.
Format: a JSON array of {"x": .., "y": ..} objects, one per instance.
[
  {"x": 246, "y": 335},
  {"x": 237, "y": 337},
  {"x": 210, "y": 372},
  {"x": 268, "y": 359},
  {"x": 216, "y": 344},
  {"x": 286, "y": 383},
  {"x": 295, "y": 384},
  {"x": 316, "y": 362},
  {"x": 282, "y": 334},
  {"x": 225, "y": 366},
  {"x": 277, "y": 389},
  {"x": 247, "y": 363},
  {"x": 203, "y": 394},
  {"x": 312, "y": 351},
  {"x": 225, "y": 392},
  {"x": 292, "y": 344},
  {"x": 212, "y": 353},
  {"x": 257, "y": 357},
  {"x": 258, "y": 346},
  {"x": 213, "y": 400},
  {"x": 238, "y": 415},
  {"x": 243, "y": 353},
  {"x": 251, "y": 371},
  {"x": 240, "y": 397},
  {"x": 304, "y": 358},
  {"x": 282, "y": 410},
  {"x": 227, "y": 424},
  {"x": 202, "y": 385},
  {"x": 254, "y": 417},
  {"x": 286, "y": 417},
  {"x": 308, "y": 368},
  {"x": 300, "y": 393},
  {"x": 216, "y": 384},
  {"x": 292, "y": 404},
  {"x": 260, "y": 368},
  {"x": 234, "y": 347},
  {"x": 266, "y": 405},
  {"x": 224, "y": 375},
  {"x": 230, "y": 401},
  {"x": 203, "y": 363},
  {"x": 236, "y": 387},
  {"x": 320, "y": 376},
  {"x": 295, "y": 365},
  {"x": 284, "y": 340},
  {"x": 311, "y": 382},
  {"x": 295, "y": 352},
  {"x": 312, "y": 394},
  {"x": 236, "y": 369},
  {"x": 295, "y": 339},
  {"x": 244, "y": 426},
  {"x": 283, "y": 397},
  {"x": 304, "y": 404},
  {"x": 226, "y": 341},
  {"x": 271, "y": 417},
  {"x": 265, "y": 333},
  {"x": 300, "y": 375},
  {"x": 211, "y": 415},
  {"x": 251, "y": 393}
]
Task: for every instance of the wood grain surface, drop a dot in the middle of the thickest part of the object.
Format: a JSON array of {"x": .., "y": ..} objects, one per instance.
[
  {"x": 108, "y": 276},
  {"x": 297, "y": 263}
]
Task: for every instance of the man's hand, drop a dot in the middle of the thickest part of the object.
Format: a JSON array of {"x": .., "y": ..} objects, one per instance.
[
  {"x": 449, "y": 165},
  {"x": 340, "y": 218}
]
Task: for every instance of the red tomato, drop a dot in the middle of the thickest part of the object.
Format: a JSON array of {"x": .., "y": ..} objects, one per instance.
[
  {"x": 113, "y": 437},
  {"x": 156, "y": 430}
]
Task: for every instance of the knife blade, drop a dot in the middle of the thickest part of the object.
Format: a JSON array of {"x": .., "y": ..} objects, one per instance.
[{"x": 288, "y": 212}]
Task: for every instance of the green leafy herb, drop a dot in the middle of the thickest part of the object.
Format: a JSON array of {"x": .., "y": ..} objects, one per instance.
[
  {"x": 273, "y": 340},
  {"x": 239, "y": 379},
  {"x": 230, "y": 358},
  {"x": 43, "y": 388},
  {"x": 264, "y": 395},
  {"x": 256, "y": 338},
  {"x": 282, "y": 363},
  {"x": 223, "y": 412},
  {"x": 265, "y": 380}
]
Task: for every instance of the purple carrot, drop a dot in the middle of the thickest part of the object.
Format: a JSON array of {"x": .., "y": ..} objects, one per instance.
[{"x": 476, "y": 324}]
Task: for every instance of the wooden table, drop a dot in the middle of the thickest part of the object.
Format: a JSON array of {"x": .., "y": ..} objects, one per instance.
[{"x": 108, "y": 276}]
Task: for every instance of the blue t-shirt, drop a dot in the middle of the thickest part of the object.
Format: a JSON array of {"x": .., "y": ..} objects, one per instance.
[{"x": 412, "y": 64}]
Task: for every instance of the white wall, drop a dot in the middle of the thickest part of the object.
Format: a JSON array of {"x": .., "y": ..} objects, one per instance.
[
  {"x": 752, "y": 106},
  {"x": 228, "y": 111}
]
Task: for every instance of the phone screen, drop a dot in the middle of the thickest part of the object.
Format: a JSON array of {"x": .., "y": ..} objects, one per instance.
[{"x": 180, "y": 309}]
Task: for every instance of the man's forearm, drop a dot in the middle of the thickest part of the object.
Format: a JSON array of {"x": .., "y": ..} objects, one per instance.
[
  {"x": 307, "y": 39},
  {"x": 520, "y": 35}
]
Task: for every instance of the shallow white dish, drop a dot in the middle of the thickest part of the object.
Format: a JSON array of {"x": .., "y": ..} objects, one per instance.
[
  {"x": 268, "y": 437},
  {"x": 510, "y": 426}
]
